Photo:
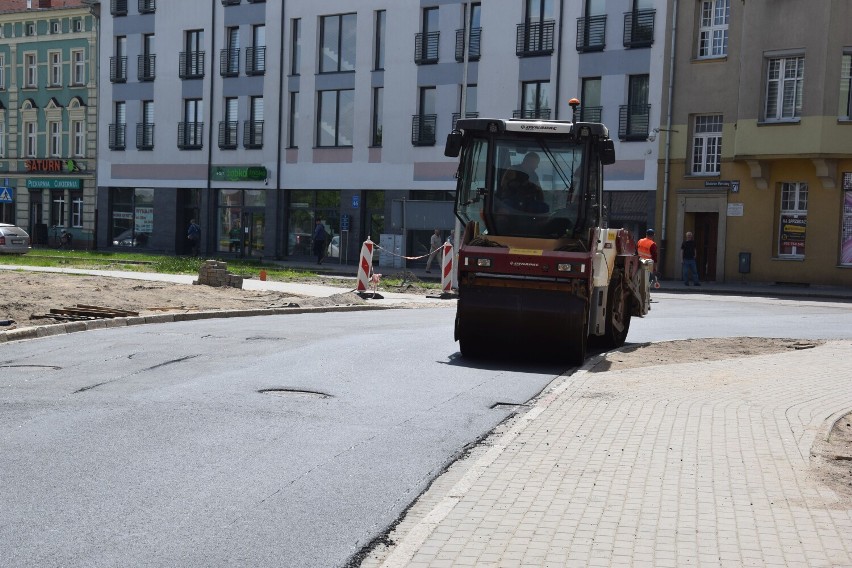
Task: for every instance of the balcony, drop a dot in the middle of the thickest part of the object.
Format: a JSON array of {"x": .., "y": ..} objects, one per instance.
[
  {"x": 118, "y": 69},
  {"x": 423, "y": 128},
  {"x": 191, "y": 65},
  {"x": 535, "y": 38},
  {"x": 230, "y": 2},
  {"x": 256, "y": 60},
  {"x": 528, "y": 113},
  {"x": 426, "y": 48},
  {"x": 633, "y": 122},
  {"x": 229, "y": 62},
  {"x": 228, "y": 134},
  {"x": 117, "y": 136},
  {"x": 144, "y": 136},
  {"x": 147, "y": 6},
  {"x": 639, "y": 28},
  {"x": 190, "y": 135},
  {"x": 457, "y": 116},
  {"x": 590, "y": 113},
  {"x": 118, "y": 7},
  {"x": 591, "y": 33},
  {"x": 146, "y": 68},
  {"x": 253, "y": 134},
  {"x": 473, "y": 52}
]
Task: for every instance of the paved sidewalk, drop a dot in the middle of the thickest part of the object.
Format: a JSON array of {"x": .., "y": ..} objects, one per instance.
[{"x": 695, "y": 464}]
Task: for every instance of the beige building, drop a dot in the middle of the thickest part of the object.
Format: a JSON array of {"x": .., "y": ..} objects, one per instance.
[{"x": 756, "y": 141}]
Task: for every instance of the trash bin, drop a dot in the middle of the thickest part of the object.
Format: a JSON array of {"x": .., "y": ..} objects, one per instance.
[{"x": 745, "y": 262}]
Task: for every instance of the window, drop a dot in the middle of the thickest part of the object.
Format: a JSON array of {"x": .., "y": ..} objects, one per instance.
[
  {"x": 78, "y": 25},
  {"x": 377, "y": 126},
  {"x": 147, "y": 68},
  {"x": 145, "y": 129},
  {"x": 336, "y": 115},
  {"x": 228, "y": 128},
  {"x": 707, "y": 144},
  {"x": 30, "y": 29},
  {"x": 253, "y": 134},
  {"x": 31, "y": 67},
  {"x": 192, "y": 58},
  {"x": 469, "y": 104},
  {"x": 425, "y": 123},
  {"x": 229, "y": 64},
  {"x": 57, "y": 209},
  {"x": 118, "y": 62},
  {"x": 535, "y": 100},
  {"x": 55, "y": 27},
  {"x": 337, "y": 43},
  {"x": 713, "y": 28},
  {"x": 191, "y": 130},
  {"x": 147, "y": 6},
  {"x": 78, "y": 63},
  {"x": 76, "y": 209},
  {"x": 118, "y": 129},
  {"x": 634, "y": 117},
  {"x": 2, "y": 72},
  {"x": 844, "y": 109},
  {"x": 784, "y": 83},
  {"x": 591, "y": 109},
  {"x": 31, "y": 142},
  {"x": 591, "y": 28},
  {"x": 793, "y": 222},
  {"x": 55, "y": 130},
  {"x": 474, "y": 25},
  {"x": 426, "y": 42},
  {"x": 78, "y": 128},
  {"x": 295, "y": 45},
  {"x": 294, "y": 120},
  {"x": 55, "y": 59},
  {"x": 379, "y": 47},
  {"x": 256, "y": 54},
  {"x": 535, "y": 34},
  {"x": 2, "y": 134}
]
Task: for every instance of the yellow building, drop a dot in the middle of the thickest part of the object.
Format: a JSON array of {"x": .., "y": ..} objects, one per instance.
[{"x": 757, "y": 141}]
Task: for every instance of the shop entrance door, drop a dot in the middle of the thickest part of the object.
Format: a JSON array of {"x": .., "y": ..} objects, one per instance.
[
  {"x": 254, "y": 223},
  {"x": 706, "y": 238}
]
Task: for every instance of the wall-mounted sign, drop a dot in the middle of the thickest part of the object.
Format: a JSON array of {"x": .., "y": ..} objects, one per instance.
[
  {"x": 46, "y": 183},
  {"x": 735, "y": 210},
  {"x": 69, "y": 166},
  {"x": 7, "y": 194},
  {"x": 847, "y": 181},
  {"x": 239, "y": 173},
  {"x": 356, "y": 201},
  {"x": 734, "y": 185}
]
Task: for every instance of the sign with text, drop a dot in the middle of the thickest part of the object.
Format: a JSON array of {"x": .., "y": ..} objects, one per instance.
[
  {"x": 238, "y": 173},
  {"x": 54, "y": 183},
  {"x": 53, "y": 165},
  {"x": 735, "y": 210},
  {"x": 793, "y": 233}
]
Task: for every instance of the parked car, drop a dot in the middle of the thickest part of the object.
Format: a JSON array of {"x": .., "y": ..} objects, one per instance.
[
  {"x": 13, "y": 240},
  {"x": 128, "y": 239},
  {"x": 334, "y": 247}
]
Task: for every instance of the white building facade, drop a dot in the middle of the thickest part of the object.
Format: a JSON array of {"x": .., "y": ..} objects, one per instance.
[{"x": 258, "y": 118}]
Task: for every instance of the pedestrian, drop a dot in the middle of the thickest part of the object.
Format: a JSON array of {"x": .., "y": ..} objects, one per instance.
[
  {"x": 235, "y": 236},
  {"x": 647, "y": 249},
  {"x": 688, "y": 257},
  {"x": 193, "y": 235},
  {"x": 320, "y": 236},
  {"x": 434, "y": 248}
]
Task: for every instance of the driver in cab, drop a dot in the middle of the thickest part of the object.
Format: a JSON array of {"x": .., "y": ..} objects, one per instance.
[{"x": 519, "y": 187}]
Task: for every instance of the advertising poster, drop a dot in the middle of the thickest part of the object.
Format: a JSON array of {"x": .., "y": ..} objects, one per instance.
[
  {"x": 846, "y": 236},
  {"x": 793, "y": 232},
  {"x": 144, "y": 220}
]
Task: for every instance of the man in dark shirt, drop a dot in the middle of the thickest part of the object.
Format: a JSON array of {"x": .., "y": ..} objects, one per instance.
[{"x": 690, "y": 266}]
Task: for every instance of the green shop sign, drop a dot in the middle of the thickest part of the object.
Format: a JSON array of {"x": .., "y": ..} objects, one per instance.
[
  {"x": 238, "y": 173},
  {"x": 54, "y": 184}
]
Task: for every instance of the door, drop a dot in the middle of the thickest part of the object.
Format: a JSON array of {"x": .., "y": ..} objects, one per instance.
[
  {"x": 706, "y": 237},
  {"x": 254, "y": 223}
]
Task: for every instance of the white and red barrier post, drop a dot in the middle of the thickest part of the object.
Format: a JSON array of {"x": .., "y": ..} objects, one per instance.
[
  {"x": 365, "y": 265},
  {"x": 447, "y": 268}
]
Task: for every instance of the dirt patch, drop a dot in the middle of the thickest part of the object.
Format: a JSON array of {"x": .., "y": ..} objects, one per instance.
[
  {"x": 832, "y": 458},
  {"x": 28, "y": 295}
]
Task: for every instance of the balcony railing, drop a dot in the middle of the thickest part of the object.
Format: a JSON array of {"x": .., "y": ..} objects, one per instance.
[
  {"x": 253, "y": 134},
  {"x": 147, "y": 6},
  {"x": 590, "y": 113},
  {"x": 639, "y": 28},
  {"x": 426, "y": 48},
  {"x": 228, "y": 135},
  {"x": 229, "y": 62},
  {"x": 256, "y": 60},
  {"x": 633, "y": 121},
  {"x": 423, "y": 128},
  {"x": 191, "y": 65},
  {"x": 117, "y": 136},
  {"x": 475, "y": 44},
  {"x": 230, "y": 2},
  {"x": 535, "y": 38},
  {"x": 144, "y": 136},
  {"x": 146, "y": 68},
  {"x": 118, "y": 7},
  {"x": 118, "y": 69},
  {"x": 190, "y": 135},
  {"x": 543, "y": 113},
  {"x": 591, "y": 33},
  {"x": 457, "y": 116}
]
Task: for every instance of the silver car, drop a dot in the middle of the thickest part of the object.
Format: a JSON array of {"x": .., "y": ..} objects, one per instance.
[{"x": 13, "y": 240}]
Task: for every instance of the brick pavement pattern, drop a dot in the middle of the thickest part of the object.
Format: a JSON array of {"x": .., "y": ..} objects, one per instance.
[{"x": 695, "y": 464}]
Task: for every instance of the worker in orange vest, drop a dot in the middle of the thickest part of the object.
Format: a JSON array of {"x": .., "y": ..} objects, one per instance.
[{"x": 647, "y": 249}]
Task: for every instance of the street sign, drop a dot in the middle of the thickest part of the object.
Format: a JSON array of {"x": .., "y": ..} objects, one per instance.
[
  {"x": 344, "y": 222},
  {"x": 356, "y": 201},
  {"x": 6, "y": 194}
]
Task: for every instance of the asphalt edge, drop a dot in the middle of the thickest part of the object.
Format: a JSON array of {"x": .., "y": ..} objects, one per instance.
[{"x": 37, "y": 332}]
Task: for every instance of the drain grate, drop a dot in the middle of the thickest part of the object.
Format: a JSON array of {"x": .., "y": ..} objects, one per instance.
[{"x": 294, "y": 393}]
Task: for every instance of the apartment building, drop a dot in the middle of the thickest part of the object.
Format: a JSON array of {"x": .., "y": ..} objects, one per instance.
[
  {"x": 757, "y": 141},
  {"x": 257, "y": 118},
  {"x": 48, "y": 102}
]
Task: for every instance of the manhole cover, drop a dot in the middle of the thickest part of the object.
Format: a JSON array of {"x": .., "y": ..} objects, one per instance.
[{"x": 294, "y": 393}]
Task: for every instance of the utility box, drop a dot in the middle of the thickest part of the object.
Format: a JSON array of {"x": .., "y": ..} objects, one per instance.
[{"x": 745, "y": 262}]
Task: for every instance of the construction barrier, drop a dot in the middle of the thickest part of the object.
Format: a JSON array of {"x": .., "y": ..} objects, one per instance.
[
  {"x": 365, "y": 265},
  {"x": 447, "y": 268}
]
